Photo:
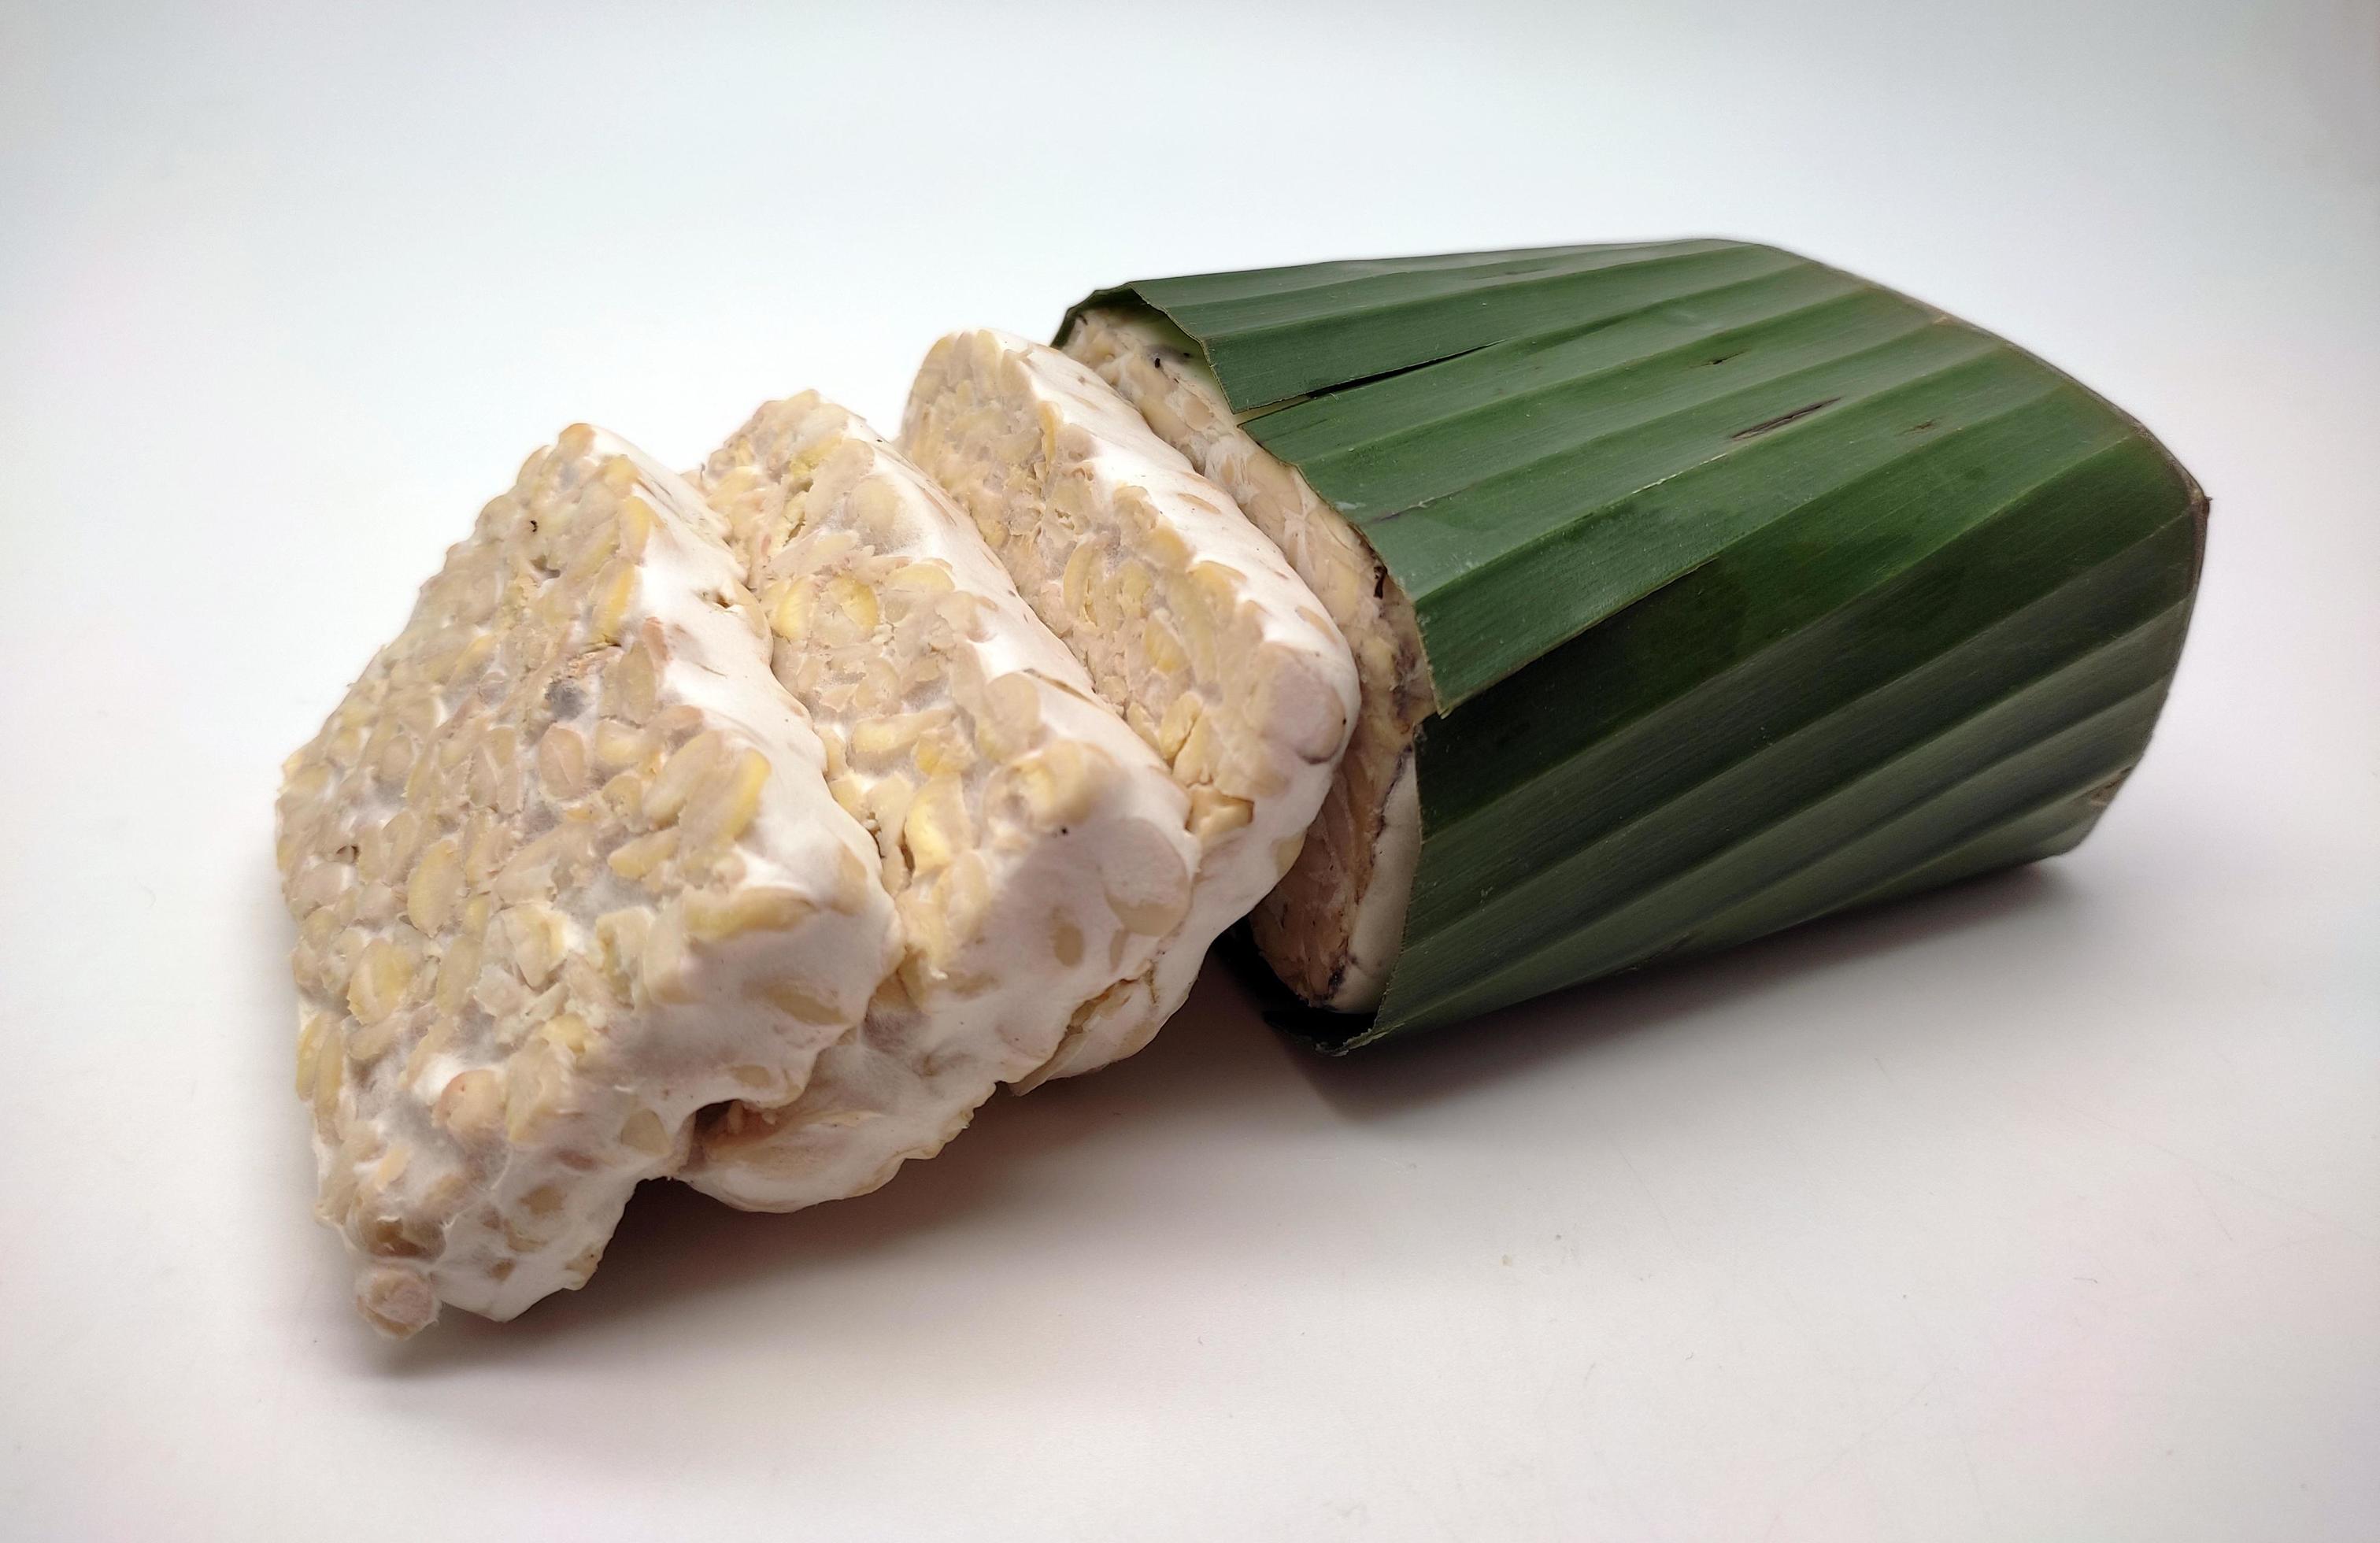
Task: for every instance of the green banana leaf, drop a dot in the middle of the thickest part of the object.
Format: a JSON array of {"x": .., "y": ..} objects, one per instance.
[{"x": 1751, "y": 591}]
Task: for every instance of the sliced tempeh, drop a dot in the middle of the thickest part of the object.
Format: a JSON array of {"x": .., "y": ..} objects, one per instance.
[
  {"x": 1038, "y": 849},
  {"x": 1189, "y": 620},
  {"x": 1333, "y": 927},
  {"x": 565, "y": 870}
]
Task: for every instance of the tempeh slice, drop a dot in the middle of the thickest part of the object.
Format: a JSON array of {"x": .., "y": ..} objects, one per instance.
[
  {"x": 1189, "y": 621},
  {"x": 565, "y": 870},
  {"x": 1332, "y": 928}
]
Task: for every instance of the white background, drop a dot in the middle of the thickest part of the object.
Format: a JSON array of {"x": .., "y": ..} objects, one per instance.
[{"x": 2045, "y": 1208}]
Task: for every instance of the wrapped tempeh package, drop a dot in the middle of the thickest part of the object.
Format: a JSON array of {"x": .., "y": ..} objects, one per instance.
[
  {"x": 1473, "y": 625},
  {"x": 1698, "y": 590}
]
